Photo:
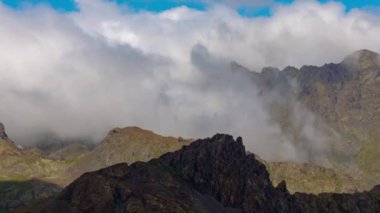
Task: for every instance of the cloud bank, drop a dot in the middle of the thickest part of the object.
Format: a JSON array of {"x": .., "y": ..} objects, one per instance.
[{"x": 77, "y": 75}]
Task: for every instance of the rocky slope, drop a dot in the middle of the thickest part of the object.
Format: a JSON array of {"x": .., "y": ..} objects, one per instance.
[
  {"x": 344, "y": 100},
  {"x": 19, "y": 194},
  {"x": 210, "y": 175},
  {"x": 347, "y": 97}
]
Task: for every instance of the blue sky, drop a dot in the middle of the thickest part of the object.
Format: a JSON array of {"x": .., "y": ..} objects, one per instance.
[{"x": 159, "y": 5}]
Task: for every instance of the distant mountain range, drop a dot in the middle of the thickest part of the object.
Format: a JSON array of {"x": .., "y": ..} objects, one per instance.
[{"x": 344, "y": 98}]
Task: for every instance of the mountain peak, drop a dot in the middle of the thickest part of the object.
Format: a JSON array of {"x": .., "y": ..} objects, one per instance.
[
  {"x": 365, "y": 54},
  {"x": 135, "y": 133},
  {"x": 129, "y": 144},
  {"x": 131, "y": 130},
  {"x": 363, "y": 59}
]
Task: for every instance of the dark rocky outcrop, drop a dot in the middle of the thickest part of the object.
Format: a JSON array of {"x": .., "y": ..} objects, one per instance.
[
  {"x": 210, "y": 175},
  {"x": 3, "y": 135},
  {"x": 18, "y": 194}
]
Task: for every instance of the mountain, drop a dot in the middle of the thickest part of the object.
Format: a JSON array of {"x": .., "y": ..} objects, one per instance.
[
  {"x": 23, "y": 174},
  {"x": 19, "y": 164},
  {"x": 34, "y": 174},
  {"x": 343, "y": 102},
  {"x": 347, "y": 97},
  {"x": 209, "y": 175},
  {"x": 129, "y": 145}
]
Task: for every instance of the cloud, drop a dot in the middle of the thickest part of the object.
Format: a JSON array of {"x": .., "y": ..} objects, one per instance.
[
  {"x": 77, "y": 75},
  {"x": 236, "y": 3}
]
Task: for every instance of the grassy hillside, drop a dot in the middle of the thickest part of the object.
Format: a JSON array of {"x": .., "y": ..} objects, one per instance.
[
  {"x": 310, "y": 178},
  {"x": 129, "y": 145},
  {"x": 368, "y": 158}
]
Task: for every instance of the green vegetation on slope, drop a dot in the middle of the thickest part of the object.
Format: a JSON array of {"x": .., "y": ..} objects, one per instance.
[
  {"x": 129, "y": 145},
  {"x": 310, "y": 178},
  {"x": 368, "y": 158}
]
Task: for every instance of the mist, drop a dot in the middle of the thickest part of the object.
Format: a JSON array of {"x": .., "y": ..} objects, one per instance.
[{"x": 77, "y": 75}]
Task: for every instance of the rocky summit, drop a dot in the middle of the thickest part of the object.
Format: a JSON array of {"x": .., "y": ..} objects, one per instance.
[{"x": 210, "y": 175}]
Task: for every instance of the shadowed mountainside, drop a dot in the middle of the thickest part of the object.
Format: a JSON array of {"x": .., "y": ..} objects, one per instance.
[
  {"x": 210, "y": 175},
  {"x": 19, "y": 194}
]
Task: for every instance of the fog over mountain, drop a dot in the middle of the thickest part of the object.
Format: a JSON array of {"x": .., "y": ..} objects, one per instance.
[{"x": 76, "y": 75}]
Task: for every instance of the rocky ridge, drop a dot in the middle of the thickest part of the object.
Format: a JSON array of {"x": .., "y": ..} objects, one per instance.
[
  {"x": 209, "y": 175},
  {"x": 344, "y": 99}
]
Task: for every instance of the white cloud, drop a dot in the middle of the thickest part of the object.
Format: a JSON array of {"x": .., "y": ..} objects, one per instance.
[
  {"x": 237, "y": 3},
  {"x": 80, "y": 74}
]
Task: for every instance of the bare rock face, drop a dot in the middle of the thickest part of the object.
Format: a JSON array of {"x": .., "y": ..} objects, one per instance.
[
  {"x": 210, "y": 175},
  {"x": 3, "y": 135}
]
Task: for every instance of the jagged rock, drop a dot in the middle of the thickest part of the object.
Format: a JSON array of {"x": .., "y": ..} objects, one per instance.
[
  {"x": 3, "y": 135},
  {"x": 282, "y": 187},
  {"x": 210, "y": 175}
]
